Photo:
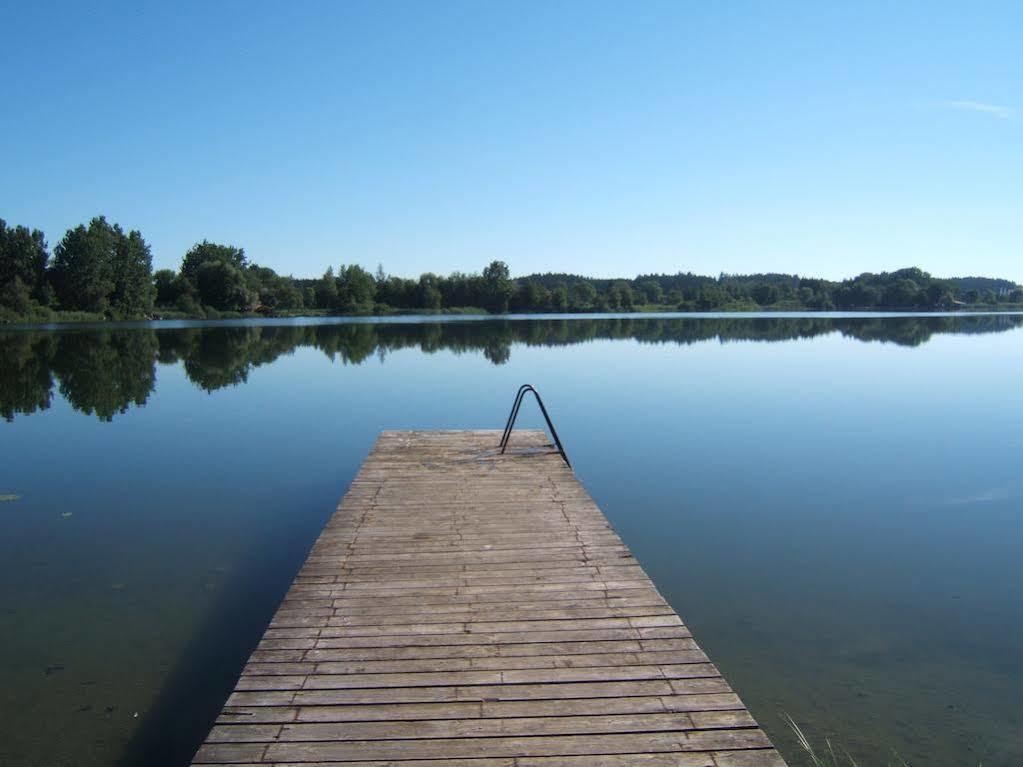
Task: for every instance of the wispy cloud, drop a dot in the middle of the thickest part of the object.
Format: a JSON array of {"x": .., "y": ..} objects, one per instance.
[
  {"x": 980, "y": 107},
  {"x": 985, "y": 496}
]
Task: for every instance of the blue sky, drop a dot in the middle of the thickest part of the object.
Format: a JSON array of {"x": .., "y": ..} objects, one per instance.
[{"x": 600, "y": 138}]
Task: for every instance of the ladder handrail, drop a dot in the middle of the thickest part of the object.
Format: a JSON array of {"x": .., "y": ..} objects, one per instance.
[
  {"x": 511, "y": 416},
  {"x": 514, "y": 414}
]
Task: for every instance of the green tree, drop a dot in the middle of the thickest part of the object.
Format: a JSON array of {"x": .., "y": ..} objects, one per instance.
[
  {"x": 497, "y": 287},
  {"x": 355, "y": 288},
  {"x": 15, "y": 295},
  {"x": 530, "y": 296},
  {"x": 857, "y": 294},
  {"x": 169, "y": 285},
  {"x": 938, "y": 295},
  {"x": 620, "y": 296},
  {"x": 765, "y": 294},
  {"x": 223, "y": 286},
  {"x": 711, "y": 296},
  {"x": 326, "y": 290},
  {"x": 132, "y": 271},
  {"x": 559, "y": 298},
  {"x": 584, "y": 294},
  {"x": 23, "y": 257},
  {"x": 287, "y": 294},
  {"x": 82, "y": 272},
  {"x": 206, "y": 252},
  {"x": 99, "y": 268},
  {"x": 429, "y": 294},
  {"x": 652, "y": 291},
  {"x": 902, "y": 294}
]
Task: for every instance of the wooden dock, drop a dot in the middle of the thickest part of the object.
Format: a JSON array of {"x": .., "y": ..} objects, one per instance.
[{"x": 472, "y": 609}]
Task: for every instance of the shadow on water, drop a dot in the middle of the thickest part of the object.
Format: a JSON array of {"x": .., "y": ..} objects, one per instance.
[
  {"x": 105, "y": 371},
  {"x": 206, "y": 671}
]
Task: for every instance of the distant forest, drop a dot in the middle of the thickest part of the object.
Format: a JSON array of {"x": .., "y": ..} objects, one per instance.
[{"x": 98, "y": 271}]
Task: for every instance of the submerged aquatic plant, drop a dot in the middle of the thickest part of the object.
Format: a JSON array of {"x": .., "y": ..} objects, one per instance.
[{"x": 829, "y": 758}]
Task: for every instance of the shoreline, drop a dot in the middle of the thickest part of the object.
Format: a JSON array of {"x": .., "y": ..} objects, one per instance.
[{"x": 477, "y": 315}]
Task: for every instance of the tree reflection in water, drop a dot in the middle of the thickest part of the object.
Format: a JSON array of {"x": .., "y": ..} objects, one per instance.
[{"x": 105, "y": 371}]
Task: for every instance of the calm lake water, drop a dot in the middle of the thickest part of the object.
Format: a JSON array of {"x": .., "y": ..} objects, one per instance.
[{"x": 834, "y": 505}]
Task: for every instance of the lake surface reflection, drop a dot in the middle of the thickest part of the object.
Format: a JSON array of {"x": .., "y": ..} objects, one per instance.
[{"x": 832, "y": 503}]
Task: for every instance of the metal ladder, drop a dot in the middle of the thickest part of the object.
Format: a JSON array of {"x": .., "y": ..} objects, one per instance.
[{"x": 510, "y": 424}]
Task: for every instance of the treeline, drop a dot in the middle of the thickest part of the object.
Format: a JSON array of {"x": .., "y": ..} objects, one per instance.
[
  {"x": 96, "y": 269},
  {"x": 904, "y": 289},
  {"x": 218, "y": 278},
  {"x": 355, "y": 290},
  {"x": 105, "y": 372},
  {"x": 100, "y": 271}
]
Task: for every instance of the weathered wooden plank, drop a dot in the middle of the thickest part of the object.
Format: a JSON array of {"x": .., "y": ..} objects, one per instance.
[
  {"x": 319, "y": 616},
  {"x": 597, "y": 760},
  {"x": 404, "y": 600},
  {"x": 476, "y": 626},
  {"x": 467, "y": 608},
  {"x": 461, "y": 748},
  {"x": 476, "y": 727},
  {"x": 327, "y": 681},
  {"x": 331, "y": 636},
  {"x": 292, "y": 650},
  {"x": 478, "y": 693},
  {"x": 493, "y": 663},
  {"x": 697, "y": 703}
]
